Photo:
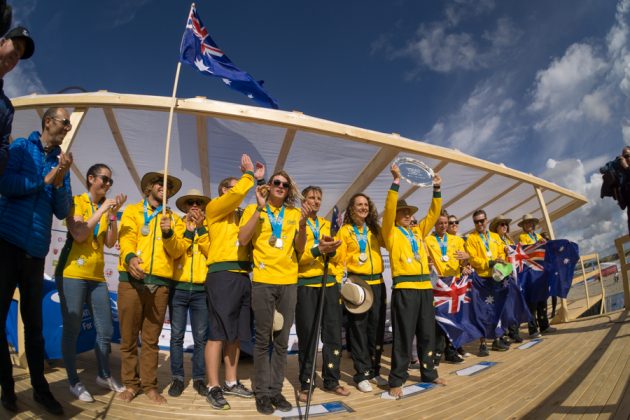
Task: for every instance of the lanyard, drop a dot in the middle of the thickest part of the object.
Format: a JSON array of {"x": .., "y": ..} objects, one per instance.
[
  {"x": 443, "y": 244},
  {"x": 276, "y": 222},
  {"x": 486, "y": 242},
  {"x": 315, "y": 230},
  {"x": 98, "y": 224},
  {"x": 361, "y": 238},
  {"x": 410, "y": 238},
  {"x": 533, "y": 236},
  {"x": 147, "y": 218}
]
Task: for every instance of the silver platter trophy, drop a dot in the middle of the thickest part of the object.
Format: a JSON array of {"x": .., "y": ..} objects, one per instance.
[{"x": 415, "y": 172}]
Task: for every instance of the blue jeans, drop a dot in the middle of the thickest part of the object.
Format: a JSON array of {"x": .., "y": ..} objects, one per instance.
[
  {"x": 73, "y": 294},
  {"x": 181, "y": 303}
]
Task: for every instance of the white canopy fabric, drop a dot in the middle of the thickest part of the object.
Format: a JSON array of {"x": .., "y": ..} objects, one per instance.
[{"x": 128, "y": 132}]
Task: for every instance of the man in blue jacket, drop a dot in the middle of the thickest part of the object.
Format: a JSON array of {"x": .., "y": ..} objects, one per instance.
[{"x": 34, "y": 186}]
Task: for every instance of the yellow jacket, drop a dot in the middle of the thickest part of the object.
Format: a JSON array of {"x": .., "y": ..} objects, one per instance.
[
  {"x": 453, "y": 244},
  {"x": 476, "y": 247},
  {"x": 526, "y": 239},
  {"x": 82, "y": 261},
  {"x": 407, "y": 272},
  {"x": 191, "y": 268},
  {"x": 222, "y": 219},
  {"x": 274, "y": 265},
  {"x": 157, "y": 253},
  {"x": 349, "y": 251},
  {"x": 311, "y": 265}
]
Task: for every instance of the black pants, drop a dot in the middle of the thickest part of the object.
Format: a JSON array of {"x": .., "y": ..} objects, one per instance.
[
  {"x": 443, "y": 346},
  {"x": 413, "y": 314},
  {"x": 19, "y": 269},
  {"x": 308, "y": 299},
  {"x": 539, "y": 321},
  {"x": 367, "y": 331}
]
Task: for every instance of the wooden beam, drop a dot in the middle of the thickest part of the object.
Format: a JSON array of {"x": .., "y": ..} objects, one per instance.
[
  {"x": 414, "y": 188},
  {"x": 202, "y": 149},
  {"x": 545, "y": 213},
  {"x": 76, "y": 118},
  {"x": 625, "y": 266},
  {"x": 40, "y": 112},
  {"x": 289, "y": 136},
  {"x": 495, "y": 198},
  {"x": 122, "y": 147},
  {"x": 517, "y": 205},
  {"x": 381, "y": 160},
  {"x": 468, "y": 189}
]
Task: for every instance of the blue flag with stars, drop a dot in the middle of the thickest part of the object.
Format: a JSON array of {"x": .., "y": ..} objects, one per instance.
[
  {"x": 560, "y": 260},
  {"x": 200, "y": 51}
]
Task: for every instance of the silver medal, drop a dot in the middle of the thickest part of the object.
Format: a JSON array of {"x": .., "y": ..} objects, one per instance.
[
  {"x": 444, "y": 258},
  {"x": 145, "y": 230},
  {"x": 489, "y": 254},
  {"x": 279, "y": 243},
  {"x": 417, "y": 257},
  {"x": 363, "y": 257}
]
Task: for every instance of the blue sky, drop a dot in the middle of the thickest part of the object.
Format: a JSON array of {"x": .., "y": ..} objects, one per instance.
[{"x": 542, "y": 86}]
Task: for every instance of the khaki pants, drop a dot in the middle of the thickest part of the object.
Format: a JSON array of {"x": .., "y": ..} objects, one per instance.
[{"x": 140, "y": 311}]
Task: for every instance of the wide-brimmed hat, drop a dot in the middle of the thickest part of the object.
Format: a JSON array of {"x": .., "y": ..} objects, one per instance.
[
  {"x": 528, "y": 217},
  {"x": 23, "y": 33},
  {"x": 499, "y": 219},
  {"x": 357, "y": 295},
  {"x": 402, "y": 204},
  {"x": 278, "y": 321},
  {"x": 152, "y": 177},
  {"x": 191, "y": 194}
]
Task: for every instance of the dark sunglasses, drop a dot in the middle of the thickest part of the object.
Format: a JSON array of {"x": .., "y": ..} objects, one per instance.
[
  {"x": 479, "y": 221},
  {"x": 454, "y": 222},
  {"x": 194, "y": 201},
  {"x": 277, "y": 183},
  {"x": 626, "y": 156},
  {"x": 504, "y": 224},
  {"x": 160, "y": 182},
  {"x": 106, "y": 180},
  {"x": 64, "y": 121}
]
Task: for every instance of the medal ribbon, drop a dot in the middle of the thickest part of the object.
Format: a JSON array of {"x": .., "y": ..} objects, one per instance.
[
  {"x": 314, "y": 229},
  {"x": 276, "y": 222},
  {"x": 361, "y": 238},
  {"x": 486, "y": 240},
  {"x": 533, "y": 236},
  {"x": 443, "y": 244},
  {"x": 410, "y": 238},
  {"x": 147, "y": 218}
]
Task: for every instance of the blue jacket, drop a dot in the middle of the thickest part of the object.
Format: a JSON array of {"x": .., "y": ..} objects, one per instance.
[{"x": 27, "y": 203}]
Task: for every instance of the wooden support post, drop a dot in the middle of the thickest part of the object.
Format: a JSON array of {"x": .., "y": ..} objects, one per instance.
[{"x": 619, "y": 242}]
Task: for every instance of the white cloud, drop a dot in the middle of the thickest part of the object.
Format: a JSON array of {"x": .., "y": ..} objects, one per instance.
[
  {"x": 505, "y": 35},
  {"x": 126, "y": 11},
  {"x": 459, "y": 10}
]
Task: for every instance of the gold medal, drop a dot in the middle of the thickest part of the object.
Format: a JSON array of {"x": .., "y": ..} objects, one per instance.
[{"x": 145, "y": 230}]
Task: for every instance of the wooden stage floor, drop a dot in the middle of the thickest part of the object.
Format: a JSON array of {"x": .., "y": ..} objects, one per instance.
[{"x": 581, "y": 371}]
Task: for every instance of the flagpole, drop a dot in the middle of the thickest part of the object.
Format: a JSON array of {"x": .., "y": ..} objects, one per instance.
[{"x": 170, "y": 127}]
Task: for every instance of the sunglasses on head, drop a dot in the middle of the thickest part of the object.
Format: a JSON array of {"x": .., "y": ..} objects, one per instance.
[
  {"x": 453, "y": 222},
  {"x": 277, "y": 183},
  {"x": 194, "y": 201},
  {"x": 479, "y": 221},
  {"x": 106, "y": 180}
]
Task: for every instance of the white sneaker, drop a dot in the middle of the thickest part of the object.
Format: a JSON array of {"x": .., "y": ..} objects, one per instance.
[
  {"x": 379, "y": 381},
  {"x": 110, "y": 383},
  {"x": 364, "y": 386},
  {"x": 81, "y": 393}
]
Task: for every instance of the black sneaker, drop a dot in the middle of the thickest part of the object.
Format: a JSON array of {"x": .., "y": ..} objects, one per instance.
[
  {"x": 216, "y": 399},
  {"x": 549, "y": 330},
  {"x": 454, "y": 358},
  {"x": 498, "y": 345},
  {"x": 516, "y": 338},
  {"x": 239, "y": 390},
  {"x": 9, "y": 401},
  {"x": 505, "y": 340},
  {"x": 200, "y": 387},
  {"x": 483, "y": 350},
  {"x": 281, "y": 403},
  {"x": 50, "y": 404},
  {"x": 263, "y": 405},
  {"x": 176, "y": 389}
]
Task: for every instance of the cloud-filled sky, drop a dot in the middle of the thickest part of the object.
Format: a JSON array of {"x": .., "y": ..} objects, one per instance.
[{"x": 540, "y": 86}]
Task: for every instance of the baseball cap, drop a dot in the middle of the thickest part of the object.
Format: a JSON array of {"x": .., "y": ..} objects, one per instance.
[{"x": 22, "y": 32}]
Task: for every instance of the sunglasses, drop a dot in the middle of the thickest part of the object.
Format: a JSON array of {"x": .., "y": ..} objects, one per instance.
[
  {"x": 160, "y": 182},
  {"x": 626, "y": 156},
  {"x": 454, "y": 222},
  {"x": 503, "y": 224},
  {"x": 277, "y": 183},
  {"x": 194, "y": 202},
  {"x": 64, "y": 121},
  {"x": 106, "y": 180},
  {"x": 477, "y": 222}
]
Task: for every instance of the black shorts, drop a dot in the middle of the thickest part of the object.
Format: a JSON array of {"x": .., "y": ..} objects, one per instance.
[{"x": 229, "y": 306}]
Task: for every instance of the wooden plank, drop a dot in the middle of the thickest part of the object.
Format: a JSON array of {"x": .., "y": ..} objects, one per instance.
[
  {"x": 469, "y": 189},
  {"x": 289, "y": 136},
  {"x": 122, "y": 147},
  {"x": 414, "y": 188},
  {"x": 625, "y": 266},
  {"x": 545, "y": 213},
  {"x": 202, "y": 150},
  {"x": 76, "y": 118},
  {"x": 495, "y": 198}
]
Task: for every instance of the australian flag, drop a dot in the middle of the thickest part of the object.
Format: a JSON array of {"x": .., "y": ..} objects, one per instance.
[
  {"x": 200, "y": 51},
  {"x": 560, "y": 260},
  {"x": 529, "y": 261},
  {"x": 453, "y": 309}
]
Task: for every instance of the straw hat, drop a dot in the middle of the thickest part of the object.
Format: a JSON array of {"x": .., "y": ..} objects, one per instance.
[
  {"x": 191, "y": 194},
  {"x": 528, "y": 217},
  {"x": 357, "y": 295},
  {"x": 402, "y": 204},
  {"x": 151, "y": 177},
  {"x": 278, "y": 321},
  {"x": 499, "y": 219}
]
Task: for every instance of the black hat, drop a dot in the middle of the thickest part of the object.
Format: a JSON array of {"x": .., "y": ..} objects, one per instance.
[{"x": 22, "y": 32}]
